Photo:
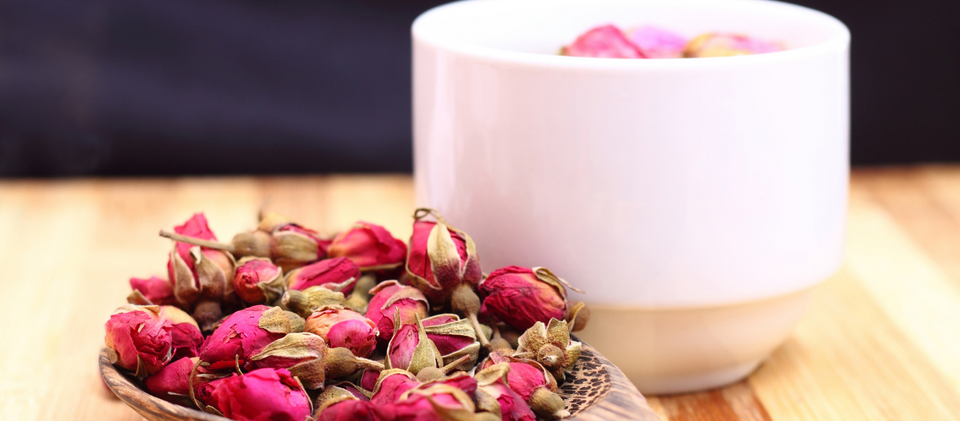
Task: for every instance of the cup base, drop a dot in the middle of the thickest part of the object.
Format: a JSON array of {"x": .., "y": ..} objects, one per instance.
[{"x": 675, "y": 350}]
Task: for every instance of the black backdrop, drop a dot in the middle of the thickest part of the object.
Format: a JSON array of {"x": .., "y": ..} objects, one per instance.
[{"x": 119, "y": 87}]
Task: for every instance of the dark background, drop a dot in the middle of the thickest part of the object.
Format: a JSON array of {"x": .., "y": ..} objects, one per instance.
[{"x": 120, "y": 87}]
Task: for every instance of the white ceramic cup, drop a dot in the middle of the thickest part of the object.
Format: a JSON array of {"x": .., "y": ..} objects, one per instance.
[{"x": 697, "y": 201}]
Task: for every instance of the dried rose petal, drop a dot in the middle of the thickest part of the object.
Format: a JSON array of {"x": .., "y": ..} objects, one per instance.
[
  {"x": 370, "y": 246},
  {"x": 158, "y": 290},
  {"x": 186, "y": 340},
  {"x": 655, "y": 42},
  {"x": 605, "y": 41},
  {"x": 263, "y": 394},
  {"x": 338, "y": 274},
  {"x": 140, "y": 340},
  {"x": 725, "y": 45}
]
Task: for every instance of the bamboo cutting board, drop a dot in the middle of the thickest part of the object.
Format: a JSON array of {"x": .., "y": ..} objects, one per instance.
[{"x": 880, "y": 342}]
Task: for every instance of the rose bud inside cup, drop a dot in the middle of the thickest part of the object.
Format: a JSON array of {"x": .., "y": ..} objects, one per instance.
[
  {"x": 725, "y": 45},
  {"x": 337, "y": 274},
  {"x": 605, "y": 41},
  {"x": 263, "y": 394},
  {"x": 344, "y": 328},
  {"x": 370, "y": 246},
  {"x": 138, "y": 340},
  {"x": 157, "y": 290},
  {"x": 654, "y": 42},
  {"x": 389, "y": 298},
  {"x": 258, "y": 281}
]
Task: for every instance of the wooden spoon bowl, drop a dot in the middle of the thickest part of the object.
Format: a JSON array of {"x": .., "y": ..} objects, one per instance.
[{"x": 594, "y": 390}]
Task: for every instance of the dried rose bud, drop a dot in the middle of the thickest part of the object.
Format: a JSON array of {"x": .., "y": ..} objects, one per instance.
[
  {"x": 184, "y": 331},
  {"x": 551, "y": 346},
  {"x": 258, "y": 281},
  {"x": 201, "y": 272},
  {"x": 454, "y": 338},
  {"x": 308, "y": 358},
  {"x": 173, "y": 380},
  {"x": 495, "y": 396},
  {"x": 344, "y": 328},
  {"x": 389, "y": 297},
  {"x": 434, "y": 402},
  {"x": 348, "y": 410},
  {"x": 654, "y": 42},
  {"x": 368, "y": 379},
  {"x": 138, "y": 340},
  {"x": 521, "y": 297},
  {"x": 339, "y": 274},
  {"x": 264, "y": 394},
  {"x": 370, "y": 246},
  {"x": 391, "y": 384},
  {"x": 411, "y": 349},
  {"x": 725, "y": 45},
  {"x": 532, "y": 382},
  {"x": 605, "y": 41},
  {"x": 341, "y": 403},
  {"x": 443, "y": 264},
  {"x": 308, "y": 301},
  {"x": 157, "y": 290},
  {"x": 244, "y": 334}
]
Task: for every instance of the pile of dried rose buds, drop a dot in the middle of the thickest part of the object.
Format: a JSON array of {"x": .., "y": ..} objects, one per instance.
[
  {"x": 283, "y": 323},
  {"x": 608, "y": 41}
]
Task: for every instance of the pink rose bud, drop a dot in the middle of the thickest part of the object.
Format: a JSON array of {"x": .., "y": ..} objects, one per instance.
[
  {"x": 532, "y": 382},
  {"x": 349, "y": 410},
  {"x": 263, "y": 394},
  {"x": 370, "y": 246},
  {"x": 725, "y": 45},
  {"x": 492, "y": 387},
  {"x": 258, "y": 281},
  {"x": 521, "y": 297},
  {"x": 605, "y": 41},
  {"x": 172, "y": 380},
  {"x": 344, "y": 328},
  {"x": 454, "y": 337},
  {"x": 402, "y": 347},
  {"x": 186, "y": 340},
  {"x": 338, "y": 274},
  {"x": 428, "y": 403},
  {"x": 158, "y": 290},
  {"x": 443, "y": 264},
  {"x": 654, "y": 42},
  {"x": 390, "y": 296},
  {"x": 292, "y": 246},
  {"x": 243, "y": 335},
  {"x": 391, "y": 385},
  {"x": 139, "y": 339}
]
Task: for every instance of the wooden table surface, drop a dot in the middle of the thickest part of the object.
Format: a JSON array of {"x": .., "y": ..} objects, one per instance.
[{"x": 880, "y": 342}]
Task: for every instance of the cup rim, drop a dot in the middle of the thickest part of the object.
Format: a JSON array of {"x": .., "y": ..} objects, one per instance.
[{"x": 421, "y": 32}]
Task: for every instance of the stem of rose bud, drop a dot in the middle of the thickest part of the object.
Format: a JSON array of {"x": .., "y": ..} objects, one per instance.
[
  {"x": 476, "y": 327},
  {"x": 197, "y": 241},
  {"x": 453, "y": 364}
]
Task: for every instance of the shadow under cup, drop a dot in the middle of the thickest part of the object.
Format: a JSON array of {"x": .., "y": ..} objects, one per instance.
[{"x": 697, "y": 201}]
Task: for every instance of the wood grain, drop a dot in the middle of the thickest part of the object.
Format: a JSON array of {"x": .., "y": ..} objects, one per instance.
[{"x": 880, "y": 342}]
